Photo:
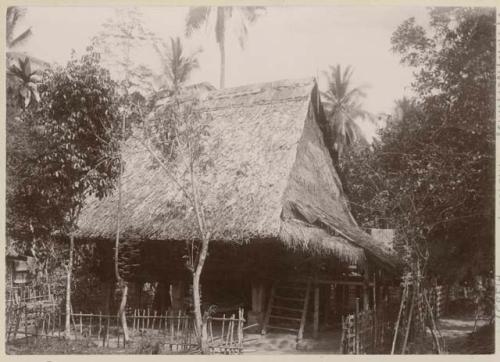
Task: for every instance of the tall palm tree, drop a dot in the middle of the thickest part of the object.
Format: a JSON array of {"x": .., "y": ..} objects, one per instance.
[
  {"x": 14, "y": 14},
  {"x": 199, "y": 15},
  {"x": 177, "y": 66},
  {"x": 342, "y": 108}
]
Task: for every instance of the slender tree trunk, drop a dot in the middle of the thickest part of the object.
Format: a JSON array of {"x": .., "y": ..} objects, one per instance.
[
  {"x": 123, "y": 305},
  {"x": 201, "y": 324},
  {"x": 222, "y": 62},
  {"x": 121, "y": 283},
  {"x": 67, "y": 329}
]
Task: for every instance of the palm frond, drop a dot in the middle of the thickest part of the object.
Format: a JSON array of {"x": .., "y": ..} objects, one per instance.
[
  {"x": 196, "y": 17},
  {"x": 251, "y": 13},
  {"x": 20, "y": 39},
  {"x": 14, "y": 14},
  {"x": 243, "y": 34}
]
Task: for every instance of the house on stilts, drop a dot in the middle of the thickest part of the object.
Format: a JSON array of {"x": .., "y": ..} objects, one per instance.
[{"x": 280, "y": 220}]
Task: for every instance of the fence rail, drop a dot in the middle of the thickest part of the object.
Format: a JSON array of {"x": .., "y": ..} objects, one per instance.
[
  {"x": 175, "y": 329},
  {"x": 29, "y": 293}
]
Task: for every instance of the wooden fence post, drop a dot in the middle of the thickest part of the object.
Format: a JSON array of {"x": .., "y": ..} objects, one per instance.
[
  {"x": 26, "y": 323},
  {"x": 356, "y": 328},
  {"x": 375, "y": 320}
]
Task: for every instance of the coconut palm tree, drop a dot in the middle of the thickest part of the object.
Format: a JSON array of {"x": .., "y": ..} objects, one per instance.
[
  {"x": 199, "y": 15},
  {"x": 14, "y": 14},
  {"x": 177, "y": 66},
  {"x": 342, "y": 108}
]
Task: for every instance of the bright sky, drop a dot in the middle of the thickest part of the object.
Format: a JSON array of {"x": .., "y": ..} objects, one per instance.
[{"x": 286, "y": 42}]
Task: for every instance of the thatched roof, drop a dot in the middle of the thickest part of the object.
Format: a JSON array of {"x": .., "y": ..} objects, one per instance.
[{"x": 272, "y": 178}]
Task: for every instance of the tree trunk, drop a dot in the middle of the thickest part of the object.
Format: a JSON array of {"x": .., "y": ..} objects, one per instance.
[
  {"x": 222, "y": 50},
  {"x": 67, "y": 329},
  {"x": 121, "y": 282},
  {"x": 121, "y": 311},
  {"x": 201, "y": 323}
]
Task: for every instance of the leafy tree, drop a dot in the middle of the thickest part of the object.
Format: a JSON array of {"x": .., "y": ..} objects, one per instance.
[
  {"x": 75, "y": 123},
  {"x": 176, "y": 136},
  {"x": 122, "y": 38},
  {"x": 342, "y": 107},
  {"x": 246, "y": 15},
  {"x": 124, "y": 34},
  {"x": 431, "y": 175}
]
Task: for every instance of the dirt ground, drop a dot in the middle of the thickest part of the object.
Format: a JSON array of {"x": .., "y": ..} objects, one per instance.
[
  {"x": 460, "y": 339},
  {"x": 280, "y": 343},
  {"x": 457, "y": 333}
]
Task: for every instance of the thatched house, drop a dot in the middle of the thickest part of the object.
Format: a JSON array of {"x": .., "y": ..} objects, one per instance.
[{"x": 274, "y": 197}]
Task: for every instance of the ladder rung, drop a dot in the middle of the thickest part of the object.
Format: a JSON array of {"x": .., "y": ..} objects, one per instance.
[
  {"x": 287, "y": 318},
  {"x": 283, "y": 328},
  {"x": 291, "y": 287},
  {"x": 289, "y": 298},
  {"x": 286, "y": 308}
]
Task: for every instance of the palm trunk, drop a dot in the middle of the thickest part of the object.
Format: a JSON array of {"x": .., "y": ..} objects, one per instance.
[
  {"x": 67, "y": 329},
  {"x": 222, "y": 63}
]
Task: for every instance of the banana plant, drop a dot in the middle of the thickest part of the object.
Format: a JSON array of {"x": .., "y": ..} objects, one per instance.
[{"x": 27, "y": 80}]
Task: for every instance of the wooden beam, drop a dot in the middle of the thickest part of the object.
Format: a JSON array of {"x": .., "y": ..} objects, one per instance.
[{"x": 336, "y": 282}]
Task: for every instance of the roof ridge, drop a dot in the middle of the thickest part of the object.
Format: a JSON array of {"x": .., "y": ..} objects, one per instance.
[
  {"x": 281, "y": 83},
  {"x": 256, "y": 103}
]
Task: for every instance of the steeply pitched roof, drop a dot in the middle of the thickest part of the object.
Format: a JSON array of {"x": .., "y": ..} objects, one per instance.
[{"x": 271, "y": 176}]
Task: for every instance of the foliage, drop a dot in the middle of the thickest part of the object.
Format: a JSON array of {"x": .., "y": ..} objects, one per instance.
[
  {"x": 67, "y": 149},
  {"x": 431, "y": 174},
  {"x": 342, "y": 108},
  {"x": 245, "y": 16}
]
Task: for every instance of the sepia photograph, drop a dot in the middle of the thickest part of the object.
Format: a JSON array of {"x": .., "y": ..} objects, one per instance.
[{"x": 227, "y": 179}]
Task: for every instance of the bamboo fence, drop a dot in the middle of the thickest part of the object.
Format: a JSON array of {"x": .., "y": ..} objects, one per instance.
[{"x": 176, "y": 330}]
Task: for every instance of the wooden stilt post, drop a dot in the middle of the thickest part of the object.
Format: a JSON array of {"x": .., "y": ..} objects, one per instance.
[
  {"x": 356, "y": 328},
  {"x": 316, "y": 312},
  {"x": 26, "y": 323},
  {"x": 100, "y": 326}
]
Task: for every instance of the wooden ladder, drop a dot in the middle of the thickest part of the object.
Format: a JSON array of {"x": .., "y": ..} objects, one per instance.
[{"x": 287, "y": 307}]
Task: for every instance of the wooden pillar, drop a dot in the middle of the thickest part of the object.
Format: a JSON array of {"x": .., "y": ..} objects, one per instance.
[
  {"x": 328, "y": 289},
  {"x": 177, "y": 290},
  {"x": 366, "y": 289},
  {"x": 110, "y": 296},
  {"x": 345, "y": 299},
  {"x": 316, "y": 311},
  {"x": 162, "y": 300},
  {"x": 256, "y": 315}
]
